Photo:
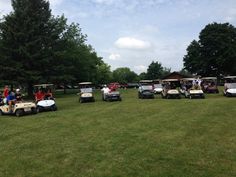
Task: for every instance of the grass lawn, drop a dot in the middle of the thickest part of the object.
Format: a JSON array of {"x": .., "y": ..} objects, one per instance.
[{"x": 132, "y": 138}]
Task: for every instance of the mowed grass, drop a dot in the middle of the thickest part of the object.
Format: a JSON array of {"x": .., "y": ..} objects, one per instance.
[{"x": 132, "y": 138}]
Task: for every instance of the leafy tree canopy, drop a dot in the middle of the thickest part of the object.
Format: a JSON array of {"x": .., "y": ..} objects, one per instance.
[{"x": 215, "y": 52}]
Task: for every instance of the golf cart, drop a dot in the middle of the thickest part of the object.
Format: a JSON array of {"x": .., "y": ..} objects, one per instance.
[
  {"x": 19, "y": 108},
  {"x": 170, "y": 89},
  {"x": 191, "y": 89},
  {"x": 110, "y": 93},
  {"x": 86, "y": 92},
  {"x": 209, "y": 85},
  {"x": 230, "y": 86},
  {"x": 157, "y": 86},
  {"x": 46, "y": 102},
  {"x": 145, "y": 89}
]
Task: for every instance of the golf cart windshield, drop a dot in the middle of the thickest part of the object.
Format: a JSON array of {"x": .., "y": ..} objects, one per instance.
[
  {"x": 157, "y": 86},
  {"x": 231, "y": 86},
  {"x": 146, "y": 87},
  {"x": 86, "y": 90}
]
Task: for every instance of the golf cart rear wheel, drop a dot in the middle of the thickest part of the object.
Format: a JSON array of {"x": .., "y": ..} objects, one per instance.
[
  {"x": 34, "y": 110},
  {"x": 1, "y": 113},
  {"x": 19, "y": 112}
]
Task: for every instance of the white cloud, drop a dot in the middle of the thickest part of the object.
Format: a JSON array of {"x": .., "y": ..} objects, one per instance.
[
  {"x": 104, "y": 1},
  {"x": 114, "y": 56},
  {"x": 55, "y": 2},
  {"x": 5, "y": 7},
  {"x": 140, "y": 68},
  {"x": 132, "y": 43}
]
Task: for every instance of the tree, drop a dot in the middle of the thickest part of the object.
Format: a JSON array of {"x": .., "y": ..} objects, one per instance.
[
  {"x": 215, "y": 52},
  {"x": 156, "y": 71},
  {"x": 104, "y": 74},
  {"x": 142, "y": 76},
  {"x": 38, "y": 47},
  {"x": 28, "y": 35},
  {"x": 124, "y": 75}
]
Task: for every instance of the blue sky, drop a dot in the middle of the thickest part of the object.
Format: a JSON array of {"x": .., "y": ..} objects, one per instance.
[{"x": 132, "y": 33}]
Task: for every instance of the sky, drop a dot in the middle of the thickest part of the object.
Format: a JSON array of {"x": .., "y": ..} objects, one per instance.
[{"x": 133, "y": 33}]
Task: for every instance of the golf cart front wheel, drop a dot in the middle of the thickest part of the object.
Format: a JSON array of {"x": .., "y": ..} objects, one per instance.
[
  {"x": 54, "y": 108},
  {"x": 19, "y": 112},
  {"x": 39, "y": 109}
]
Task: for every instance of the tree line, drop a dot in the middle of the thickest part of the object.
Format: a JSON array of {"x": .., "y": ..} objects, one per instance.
[{"x": 38, "y": 47}]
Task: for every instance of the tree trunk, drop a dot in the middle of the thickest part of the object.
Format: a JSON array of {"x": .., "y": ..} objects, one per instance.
[
  {"x": 64, "y": 88},
  {"x": 30, "y": 91}
]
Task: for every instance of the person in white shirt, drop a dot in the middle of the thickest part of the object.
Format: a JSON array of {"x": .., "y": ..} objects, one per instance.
[{"x": 105, "y": 90}]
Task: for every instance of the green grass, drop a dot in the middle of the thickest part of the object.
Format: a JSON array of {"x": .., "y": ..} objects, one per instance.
[{"x": 132, "y": 138}]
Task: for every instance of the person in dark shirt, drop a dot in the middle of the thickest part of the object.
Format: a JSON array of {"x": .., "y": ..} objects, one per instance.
[{"x": 48, "y": 95}]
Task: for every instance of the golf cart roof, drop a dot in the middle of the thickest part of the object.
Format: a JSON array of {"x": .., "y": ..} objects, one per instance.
[
  {"x": 85, "y": 83},
  {"x": 43, "y": 85},
  {"x": 209, "y": 78},
  {"x": 145, "y": 81},
  {"x": 188, "y": 79},
  {"x": 230, "y": 77},
  {"x": 170, "y": 80}
]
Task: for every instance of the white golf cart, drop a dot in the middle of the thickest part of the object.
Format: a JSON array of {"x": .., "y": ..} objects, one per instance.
[
  {"x": 86, "y": 92},
  {"x": 230, "y": 86},
  {"x": 191, "y": 89},
  {"x": 48, "y": 102},
  {"x": 170, "y": 89},
  {"x": 145, "y": 89}
]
